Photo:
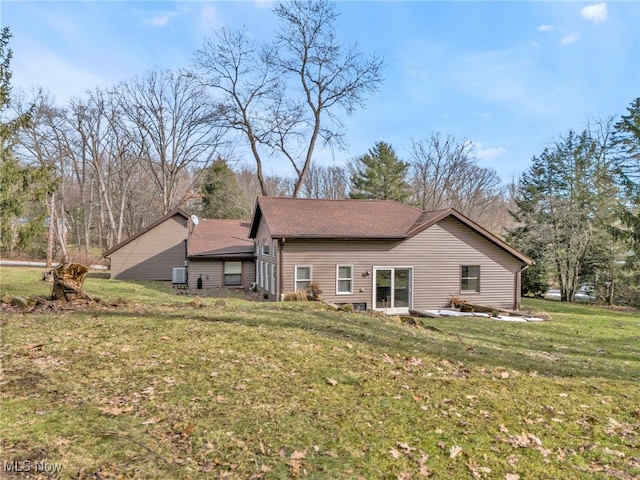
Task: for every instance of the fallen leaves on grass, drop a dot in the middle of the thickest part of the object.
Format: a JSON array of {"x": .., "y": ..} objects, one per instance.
[
  {"x": 295, "y": 462},
  {"x": 455, "y": 451},
  {"x": 115, "y": 410},
  {"x": 476, "y": 470}
]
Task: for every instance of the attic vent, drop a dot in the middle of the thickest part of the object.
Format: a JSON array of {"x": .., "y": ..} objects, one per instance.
[{"x": 179, "y": 276}]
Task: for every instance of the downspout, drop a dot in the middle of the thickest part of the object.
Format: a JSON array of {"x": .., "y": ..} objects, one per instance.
[
  {"x": 279, "y": 294},
  {"x": 518, "y": 287}
]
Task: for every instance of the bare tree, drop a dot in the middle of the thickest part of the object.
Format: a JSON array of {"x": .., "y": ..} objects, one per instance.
[
  {"x": 287, "y": 97},
  {"x": 176, "y": 125},
  {"x": 445, "y": 174},
  {"x": 37, "y": 143},
  {"x": 326, "y": 182},
  {"x": 245, "y": 77}
]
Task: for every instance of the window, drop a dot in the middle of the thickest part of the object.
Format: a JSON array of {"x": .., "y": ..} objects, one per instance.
[
  {"x": 267, "y": 280},
  {"x": 232, "y": 273},
  {"x": 273, "y": 279},
  {"x": 344, "y": 279},
  {"x": 265, "y": 248},
  {"x": 303, "y": 277},
  {"x": 470, "y": 278}
]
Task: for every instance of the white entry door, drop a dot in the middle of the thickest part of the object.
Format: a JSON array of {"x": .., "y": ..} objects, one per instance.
[{"x": 392, "y": 289}]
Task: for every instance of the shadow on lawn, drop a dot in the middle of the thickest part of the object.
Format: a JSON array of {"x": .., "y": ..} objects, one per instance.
[{"x": 522, "y": 347}]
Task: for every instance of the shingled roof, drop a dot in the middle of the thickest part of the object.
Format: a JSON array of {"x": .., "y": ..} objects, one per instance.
[
  {"x": 312, "y": 218},
  {"x": 356, "y": 219},
  {"x": 220, "y": 238}
]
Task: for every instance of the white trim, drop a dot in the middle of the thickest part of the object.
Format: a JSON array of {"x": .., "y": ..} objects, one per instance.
[
  {"x": 392, "y": 310},
  {"x": 338, "y": 279},
  {"x": 478, "y": 279},
  {"x": 295, "y": 275},
  {"x": 273, "y": 279}
]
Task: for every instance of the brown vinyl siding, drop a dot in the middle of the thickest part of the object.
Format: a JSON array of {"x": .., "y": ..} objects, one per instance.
[
  {"x": 435, "y": 254},
  {"x": 152, "y": 255},
  {"x": 213, "y": 269}
]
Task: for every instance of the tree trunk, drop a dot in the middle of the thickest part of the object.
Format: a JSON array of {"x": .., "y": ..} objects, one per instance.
[
  {"x": 51, "y": 235},
  {"x": 68, "y": 279}
]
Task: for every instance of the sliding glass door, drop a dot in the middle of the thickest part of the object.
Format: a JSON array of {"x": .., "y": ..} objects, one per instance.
[{"x": 392, "y": 289}]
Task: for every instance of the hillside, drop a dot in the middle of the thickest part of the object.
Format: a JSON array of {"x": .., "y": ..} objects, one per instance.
[{"x": 150, "y": 384}]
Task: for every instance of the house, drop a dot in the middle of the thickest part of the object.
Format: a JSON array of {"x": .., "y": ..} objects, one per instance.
[
  {"x": 219, "y": 252},
  {"x": 381, "y": 255},
  {"x": 152, "y": 253}
]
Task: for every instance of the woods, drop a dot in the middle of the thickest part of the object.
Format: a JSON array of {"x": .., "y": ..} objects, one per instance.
[{"x": 78, "y": 178}]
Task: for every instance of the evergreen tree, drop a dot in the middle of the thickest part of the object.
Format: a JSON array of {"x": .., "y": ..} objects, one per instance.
[
  {"x": 627, "y": 141},
  {"x": 21, "y": 186},
  {"x": 380, "y": 175},
  {"x": 559, "y": 211},
  {"x": 220, "y": 195}
]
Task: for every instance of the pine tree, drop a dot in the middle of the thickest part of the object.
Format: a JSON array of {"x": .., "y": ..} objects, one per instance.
[
  {"x": 559, "y": 213},
  {"x": 220, "y": 194},
  {"x": 380, "y": 175},
  {"x": 21, "y": 186},
  {"x": 627, "y": 141}
]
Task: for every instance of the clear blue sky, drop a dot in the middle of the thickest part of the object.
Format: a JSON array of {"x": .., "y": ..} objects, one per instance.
[{"x": 509, "y": 76}]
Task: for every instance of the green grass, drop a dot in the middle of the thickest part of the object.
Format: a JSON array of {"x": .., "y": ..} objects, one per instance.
[{"x": 147, "y": 385}]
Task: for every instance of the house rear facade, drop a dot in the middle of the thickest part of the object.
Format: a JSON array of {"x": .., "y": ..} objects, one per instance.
[
  {"x": 381, "y": 255},
  {"x": 217, "y": 252},
  {"x": 220, "y": 254},
  {"x": 152, "y": 253}
]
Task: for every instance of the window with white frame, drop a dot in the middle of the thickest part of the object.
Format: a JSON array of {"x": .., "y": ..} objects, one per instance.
[
  {"x": 232, "y": 274},
  {"x": 470, "y": 278},
  {"x": 273, "y": 279},
  {"x": 267, "y": 280},
  {"x": 303, "y": 277},
  {"x": 265, "y": 247},
  {"x": 344, "y": 279}
]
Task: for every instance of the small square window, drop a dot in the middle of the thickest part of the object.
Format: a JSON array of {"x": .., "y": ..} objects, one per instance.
[{"x": 470, "y": 278}]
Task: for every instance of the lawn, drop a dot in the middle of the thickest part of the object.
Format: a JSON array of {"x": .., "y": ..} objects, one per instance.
[{"x": 150, "y": 384}]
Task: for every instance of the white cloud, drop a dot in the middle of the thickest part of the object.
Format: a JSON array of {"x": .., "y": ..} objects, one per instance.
[
  {"x": 488, "y": 153},
  {"x": 263, "y": 4},
  {"x": 569, "y": 39},
  {"x": 71, "y": 79},
  {"x": 160, "y": 20},
  {"x": 596, "y": 12},
  {"x": 546, "y": 28}
]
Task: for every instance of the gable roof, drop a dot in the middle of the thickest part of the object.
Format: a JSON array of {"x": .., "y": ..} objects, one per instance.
[
  {"x": 172, "y": 213},
  {"x": 219, "y": 238},
  {"x": 357, "y": 219}
]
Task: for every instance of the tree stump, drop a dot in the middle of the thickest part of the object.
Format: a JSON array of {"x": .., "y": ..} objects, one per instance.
[{"x": 68, "y": 279}]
